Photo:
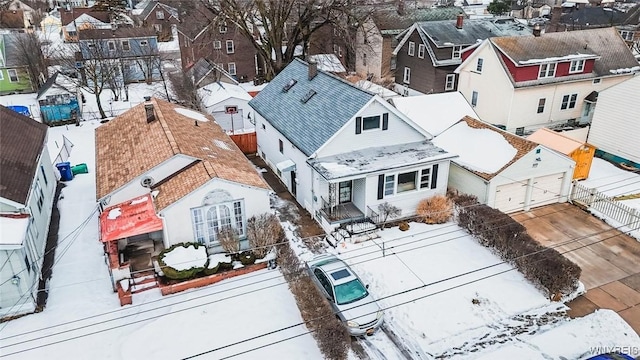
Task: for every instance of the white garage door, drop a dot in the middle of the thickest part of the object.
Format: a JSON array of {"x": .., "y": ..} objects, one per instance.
[
  {"x": 546, "y": 190},
  {"x": 511, "y": 197}
]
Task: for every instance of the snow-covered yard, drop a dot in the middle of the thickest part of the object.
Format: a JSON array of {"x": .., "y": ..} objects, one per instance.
[
  {"x": 83, "y": 317},
  {"x": 456, "y": 299},
  {"x": 613, "y": 181}
]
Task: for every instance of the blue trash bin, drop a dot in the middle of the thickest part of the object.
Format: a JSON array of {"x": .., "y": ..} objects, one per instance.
[{"x": 65, "y": 171}]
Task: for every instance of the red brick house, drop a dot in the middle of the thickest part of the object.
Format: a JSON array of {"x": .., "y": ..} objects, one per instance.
[{"x": 160, "y": 17}]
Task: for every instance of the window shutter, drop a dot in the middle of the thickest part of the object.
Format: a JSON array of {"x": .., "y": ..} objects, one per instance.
[
  {"x": 434, "y": 176},
  {"x": 358, "y": 125},
  {"x": 380, "y": 186},
  {"x": 385, "y": 121}
]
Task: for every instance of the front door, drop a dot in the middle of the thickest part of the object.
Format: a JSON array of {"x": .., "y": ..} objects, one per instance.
[
  {"x": 293, "y": 183},
  {"x": 344, "y": 191}
]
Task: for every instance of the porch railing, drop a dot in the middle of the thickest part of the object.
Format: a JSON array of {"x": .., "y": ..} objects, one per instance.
[{"x": 339, "y": 211}]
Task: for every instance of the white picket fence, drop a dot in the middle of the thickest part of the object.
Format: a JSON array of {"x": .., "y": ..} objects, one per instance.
[{"x": 592, "y": 199}]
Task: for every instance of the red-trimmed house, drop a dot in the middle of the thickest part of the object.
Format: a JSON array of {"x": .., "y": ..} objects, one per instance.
[{"x": 525, "y": 83}]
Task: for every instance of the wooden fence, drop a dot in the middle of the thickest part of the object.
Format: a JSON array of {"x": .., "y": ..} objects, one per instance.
[
  {"x": 248, "y": 142},
  {"x": 606, "y": 205}
]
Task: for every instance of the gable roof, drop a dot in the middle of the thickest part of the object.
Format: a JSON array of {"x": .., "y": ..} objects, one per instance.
[
  {"x": 47, "y": 85},
  {"x": 11, "y": 19},
  {"x": 556, "y": 141},
  {"x": 445, "y": 33},
  {"x": 216, "y": 93},
  {"x": 119, "y": 33},
  {"x": 22, "y": 140},
  {"x": 67, "y": 16},
  {"x": 151, "y": 5},
  {"x": 390, "y": 22},
  {"x": 328, "y": 62},
  {"x": 309, "y": 125},
  {"x": 86, "y": 21},
  {"x": 128, "y": 147},
  {"x": 614, "y": 55},
  {"x": 476, "y": 146},
  {"x": 57, "y": 81},
  {"x": 203, "y": 67},
  {"x": 593, "y": 16}
]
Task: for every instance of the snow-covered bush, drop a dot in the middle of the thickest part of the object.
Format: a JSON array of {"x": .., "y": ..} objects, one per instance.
[{"x": 183, "y": 260}]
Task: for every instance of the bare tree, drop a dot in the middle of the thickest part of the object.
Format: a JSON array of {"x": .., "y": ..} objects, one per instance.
[
  {"x": 276, "y": 27},
  {"x": 263, "y": 231},
  {"x": 184, "y": 89},
  {"x": 28, "y": 51},
  {"x": 229, "y": 240}
]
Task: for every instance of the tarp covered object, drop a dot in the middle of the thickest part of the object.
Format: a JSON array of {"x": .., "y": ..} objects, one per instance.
[{"x": 133, "y": 217}]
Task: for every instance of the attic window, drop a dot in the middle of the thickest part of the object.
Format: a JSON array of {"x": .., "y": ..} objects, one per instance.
[
  {"x": 308, "y": 96},
  {"x": 289, "y": 85}
]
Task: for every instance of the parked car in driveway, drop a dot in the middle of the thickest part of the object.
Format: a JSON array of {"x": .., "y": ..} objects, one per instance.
[
  {"x": 349, "y": 297},
  {"x": 537, "y": 20}
]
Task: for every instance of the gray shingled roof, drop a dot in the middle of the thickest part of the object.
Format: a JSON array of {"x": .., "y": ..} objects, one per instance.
[
  {"x": 21, "y": 140},
  {"x": 388, "y": 20},
  {"x": 309, "y": 125},
  {"x": 605, "y": 42},
  {"x": 11, "y": 50},
  {"x": 442, "y": 32},
  {"x": 593, "y": 16}
]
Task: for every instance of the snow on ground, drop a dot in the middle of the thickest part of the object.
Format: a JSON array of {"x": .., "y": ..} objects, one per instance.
[
  {"x": 452, "y": 296},
  {"x": 171, "y": 327},
  {"x": 170, "y": 46},
  {"x": 611, "y": 180}
]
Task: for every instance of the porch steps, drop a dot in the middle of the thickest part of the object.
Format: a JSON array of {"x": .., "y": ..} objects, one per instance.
[{"x": 142, "y": 281}]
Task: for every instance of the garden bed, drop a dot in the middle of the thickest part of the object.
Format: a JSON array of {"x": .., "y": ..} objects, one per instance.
[{"x": 168, "y": 287}]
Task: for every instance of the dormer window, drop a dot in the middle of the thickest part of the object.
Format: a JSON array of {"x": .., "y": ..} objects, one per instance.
[
  {"x": 547, "y": 70},
  {"x": 457, "y": 50},
  {"x": 577, "y": 66}
]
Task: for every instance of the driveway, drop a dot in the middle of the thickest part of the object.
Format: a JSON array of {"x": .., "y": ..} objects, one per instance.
[{"x": 610, "y": 260}]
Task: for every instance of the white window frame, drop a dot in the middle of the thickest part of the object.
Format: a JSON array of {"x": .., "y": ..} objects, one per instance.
[
  {"x": 547, "y": 70},
  {"x": 15, "y": 75},
  {"x": 421, "y": 50},
  {"x": 474, "y": 98},
  {"x": 217, "y": 44},
  {"x": 157, "y": 27},
  {"x": 230, "y": 49},
  {"x": 421, "y": 181},
  {"x": 412, "y": 48},
  {"x": 568, "y": 101},
  {"x": 1, "y": 75},
  {"x": 542, "y": 102},
  {"x": 371, "y": 118},
  {"x": 160, "y": 15},
  {"x": 111, "y": 45},
  {"x": 232, "y": 68},
  {"x": 577, "y": 66},
  {"x": 456, "y": 52},
  {"x": 205, "y": 227},
  {"x": 450, "y": 82},
  {"x": 407, "y": 75},
  {"x": 127, "y": 47},
  {"x": 222, "y": 29},
  {"x": 389, "y": 185},
  {"x": 479, "y": 65},
  {"x": 626, "y": 35}
]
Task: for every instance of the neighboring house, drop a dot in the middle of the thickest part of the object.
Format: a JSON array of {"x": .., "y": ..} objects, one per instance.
[
  {"x": 525, "y": 83},
  {"x": 334, "y": 40},
  {"x": 379, "y": 90},
  {"x": 376, "y": 38},
  {"x": 630, "y": 27},
  {"x": 193, "y": 178},
  {"x": 340, "y": 150},
  {"x": 429, "y": 52},
  {"x": 435, "y": 113},
  {"x": 160, "y": 17},
  {"x": 590, "y": 18},
  {"x": 12, "y": 20},
  {"x": 133, "y": 50},
  {"x": 502, "y": 170},
  {"x": 615, "y": 129},
  {"x": 80, "y": 18},
  {"x": 205, "y": 72},
  {"x": 223, "y": 44},
  {"x": 524, "y": 9},
  {"x": 27, "y": 188},
  {"x": 60, "y": 101},
  {"x": 27, "y": 12},
  {"x": 14, "y": 74},
  {"x": 329, "y": 63},
  {"x": 229, "y": 106},
  {"x": 582, "y": 153}
]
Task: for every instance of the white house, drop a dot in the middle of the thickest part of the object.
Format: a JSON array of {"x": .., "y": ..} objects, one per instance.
[
  {"x": 502, "y": 170},
  {"x": 615, "y": 129},
  {"x": 341, "y": 150},
  {"x": 229, "y": 106},
  {"x": 27, "y": 189},
  {"x": 181, "y": 163},
  {"x": 524, "y": 83}
]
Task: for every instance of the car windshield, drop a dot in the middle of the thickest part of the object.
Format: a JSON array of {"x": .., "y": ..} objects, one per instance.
[{"x": 350, "y": 291}]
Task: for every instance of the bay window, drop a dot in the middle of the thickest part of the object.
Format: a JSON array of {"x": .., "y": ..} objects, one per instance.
[{"x": 209, "y": 220}]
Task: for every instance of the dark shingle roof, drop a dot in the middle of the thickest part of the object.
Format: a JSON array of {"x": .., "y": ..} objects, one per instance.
[
  {"x": 119, "y": 33},
  {"x": 48, "y": 84},
  {"x": 67, "y": 16},
  {"x": 152, "y": 5},
  {"x": 593, "y": 16},
  {"x": 12, "y": 19},
  {"x": 21, "y": 143},
  {"x": 443, "y": 32},
  {"x": 632, "y": 16},
  {"x": 389, "y": 20},
  {"x": 309, "y": 125},
  {"x": 11, "y": 49},
  {"x": 605, "y": 42}
]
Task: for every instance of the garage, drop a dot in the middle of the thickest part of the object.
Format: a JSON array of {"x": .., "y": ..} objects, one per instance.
[
  {"x": 229, "y": 121},
  {"x": 511, "y": 197},
  {"x": 546, "y": 190}
]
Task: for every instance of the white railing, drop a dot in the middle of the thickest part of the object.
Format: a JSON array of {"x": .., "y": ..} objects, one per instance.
[{"x": 592, "y": 199}]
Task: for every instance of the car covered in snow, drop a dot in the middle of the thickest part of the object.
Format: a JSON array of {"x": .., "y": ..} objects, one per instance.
[{"x": 349, "y": 297}]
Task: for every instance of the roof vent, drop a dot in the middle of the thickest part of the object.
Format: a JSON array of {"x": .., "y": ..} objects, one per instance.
[
  {"x": 308, "y": 96},
  {"x": 289, "y": 85},
  {"x": 147, "y": 181}
]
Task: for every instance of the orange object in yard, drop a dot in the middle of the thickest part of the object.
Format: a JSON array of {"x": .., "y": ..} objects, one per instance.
[{"x": 133, "y": 217}]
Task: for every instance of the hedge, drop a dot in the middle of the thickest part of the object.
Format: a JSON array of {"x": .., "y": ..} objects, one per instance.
[
  {"x": 174, "y": 274},
  {"x": 545, "y": 267}
]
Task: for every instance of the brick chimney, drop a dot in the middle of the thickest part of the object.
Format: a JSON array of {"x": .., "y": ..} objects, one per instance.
[
  {"x": 313, "y": 70},
  {"x": 459, "y": 21},
  {"x": 537, "y": 30},
  {"x": 148, "y": 109},
  {"x": 400, "y": 7}
]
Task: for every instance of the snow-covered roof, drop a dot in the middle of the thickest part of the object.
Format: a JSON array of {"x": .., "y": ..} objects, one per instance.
[
  {"x": 435, "y": 112},
  {"x": 86, "y": 19},
  {"x": 13, "y": 230},
  {"x": 379, "y": 90},
  {"x": 377, "y": 159},
  {"x": 482, "y": 148},
  {"x": 328, "y": 62},
  {"x": 556, "y": 141},
  {"x": 216, "y": 93}
]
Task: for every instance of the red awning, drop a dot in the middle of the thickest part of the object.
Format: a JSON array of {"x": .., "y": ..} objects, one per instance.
[{"x": 133, "y": 217}]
